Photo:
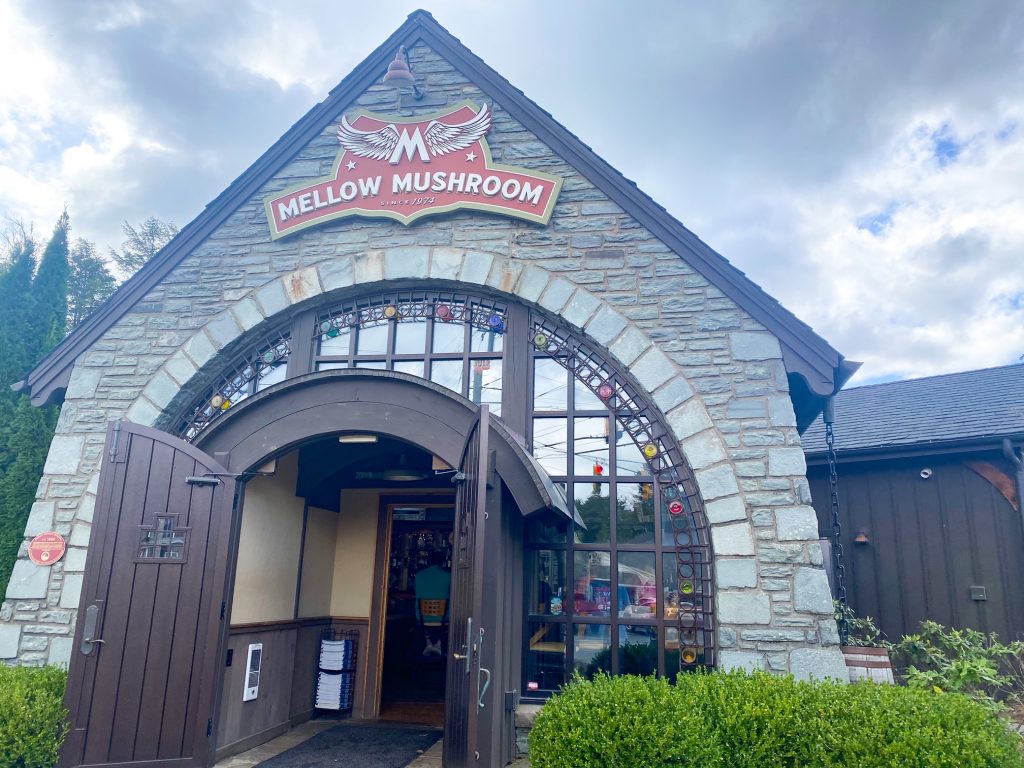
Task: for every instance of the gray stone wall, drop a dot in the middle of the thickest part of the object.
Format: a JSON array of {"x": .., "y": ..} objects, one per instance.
[{"x": 715, "y": 373}]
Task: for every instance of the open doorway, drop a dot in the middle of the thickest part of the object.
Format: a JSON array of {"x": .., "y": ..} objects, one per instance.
[
  {"x": 417, "y": 610},
  {"x": 313, "y": 566}
]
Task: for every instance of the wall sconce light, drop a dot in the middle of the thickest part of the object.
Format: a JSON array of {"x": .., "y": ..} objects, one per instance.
[
  {"x": 400, "y": 74},
  {"x": 862, "y": 537}
]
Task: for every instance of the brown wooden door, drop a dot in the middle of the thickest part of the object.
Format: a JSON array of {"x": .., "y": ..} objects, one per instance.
[
  {"x": 469, "y": 695},
  {"x": 143, "y": 667}
]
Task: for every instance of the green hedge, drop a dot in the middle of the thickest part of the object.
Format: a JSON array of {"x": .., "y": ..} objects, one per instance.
[
  {"x": 33, "y": 720},
  {"x": 737, "y": 720}
]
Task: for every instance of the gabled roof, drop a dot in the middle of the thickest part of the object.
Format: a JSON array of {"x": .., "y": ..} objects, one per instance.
[
  {"x": 957, "y": 408},
  {"x": 822, "y": 370}
]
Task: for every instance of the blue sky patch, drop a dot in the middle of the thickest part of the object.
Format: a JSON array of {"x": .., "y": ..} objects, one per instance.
[
  {"x": 946, "y": 146},
  {"x": 878, "y": 223}
]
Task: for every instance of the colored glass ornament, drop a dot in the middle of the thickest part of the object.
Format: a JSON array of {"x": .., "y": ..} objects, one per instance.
[
  {"x": 390, "y": 311},
  {"x": 605, "y": 391},
  {"x": 670, "y": 492},
  {"x": 216, "y": 401},
  {"x": 689, "y": 655},
  {"x": 650, "y": 450},
  {"x": 268, "y": 356},
  {"x": 540, "y": 341},
  {"x": 443, "y": 312},
  {"x": 325, "y": 326},
  {"x": 686, "y": 587},
  {"x": 675, "y": 507},
  {"x": 495, "y": 323}
]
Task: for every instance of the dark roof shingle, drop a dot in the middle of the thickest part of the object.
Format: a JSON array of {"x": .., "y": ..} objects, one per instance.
[{"x": 988, "y": 403}]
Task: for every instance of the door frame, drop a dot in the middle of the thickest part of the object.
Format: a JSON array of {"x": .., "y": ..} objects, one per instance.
[{"x": 402, "y": 406}]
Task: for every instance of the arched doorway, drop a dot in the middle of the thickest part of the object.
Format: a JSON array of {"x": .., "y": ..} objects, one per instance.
[{"x": 168, "y": 514}]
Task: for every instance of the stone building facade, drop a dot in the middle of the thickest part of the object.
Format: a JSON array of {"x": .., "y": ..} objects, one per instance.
[{"x": 701, "y": 341}]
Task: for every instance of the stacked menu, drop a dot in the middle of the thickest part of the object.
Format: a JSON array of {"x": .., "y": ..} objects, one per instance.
[{"x": 336, "y": 674}]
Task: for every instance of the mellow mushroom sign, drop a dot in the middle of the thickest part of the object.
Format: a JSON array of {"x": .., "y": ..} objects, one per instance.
[{"x": 405, "y": 169}]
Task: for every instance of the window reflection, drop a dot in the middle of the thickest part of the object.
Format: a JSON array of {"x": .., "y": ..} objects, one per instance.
[
  {"x": 592, "y": 649},
  {"x": 638, "y": 591},
  {"x": 545, "y": 656},
  {"x": 592, "y": 587},
  {"x": 638, "y": 652},
  {"x": 447, "y": 373},
  {"x": 545, "y": 585},
  {"x": 593, "y": 505},
  {"x": 372, "y": 340},
  {"x": 449, "y": 337},
  {"x": 550, "y": 385},
  {"x": 336, "y": 345},
  {"x": 551, "y": 444},
  {"x": 635, "y": 518},
  {"x": 590, "y": 446},
  {"x": 481, "y": 340},
  {"x": 415, "y": 367},
  {"x": 485, "y": 383},
  {"x": 271, "y": 375},
  {"x": 628, "y": 459},
  {"x": 585, "y": 400},
  {"x": 411, "y": 337}
]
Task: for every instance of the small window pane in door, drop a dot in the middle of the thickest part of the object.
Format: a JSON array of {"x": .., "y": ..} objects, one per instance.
[{"x": 485, "y": 384}]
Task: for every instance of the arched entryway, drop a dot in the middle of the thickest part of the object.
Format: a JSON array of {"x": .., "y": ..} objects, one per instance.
[{"x": 169, "y": 538}]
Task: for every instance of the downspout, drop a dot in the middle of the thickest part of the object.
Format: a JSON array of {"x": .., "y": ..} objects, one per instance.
[{"x": 1018, "y": 464}]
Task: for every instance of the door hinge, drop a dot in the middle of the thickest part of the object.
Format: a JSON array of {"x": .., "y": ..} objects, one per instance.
[
  {"x": 209, "y": 727},
  {"x": 223, "y": 609}
]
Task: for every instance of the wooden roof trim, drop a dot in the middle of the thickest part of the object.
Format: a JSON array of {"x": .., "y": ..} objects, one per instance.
[{"x": 805, "y": 353}]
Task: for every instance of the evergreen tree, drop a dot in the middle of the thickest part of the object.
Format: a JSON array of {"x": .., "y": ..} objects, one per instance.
[
  {"x": 142, "y": 243},
  {"x": 90, "y": 283},
  {"x": 50, "y": 289},
  {"x": 33, "y": 316}
]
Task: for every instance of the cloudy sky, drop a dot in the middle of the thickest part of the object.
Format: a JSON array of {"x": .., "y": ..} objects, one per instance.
[{"x": 862, "y": 161}]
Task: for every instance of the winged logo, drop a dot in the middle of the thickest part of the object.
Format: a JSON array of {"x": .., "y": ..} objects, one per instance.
[{"x": 437, "y": 139}]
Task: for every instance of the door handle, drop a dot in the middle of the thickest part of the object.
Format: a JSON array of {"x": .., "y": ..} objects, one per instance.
[
  {"x": 91, "y": 629},
  {"x": 487, "y": 684},
  {"x": 459, "y": 656}
]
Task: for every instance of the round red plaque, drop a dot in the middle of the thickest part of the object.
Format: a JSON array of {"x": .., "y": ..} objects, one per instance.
[{"x": 47, "y": 548}]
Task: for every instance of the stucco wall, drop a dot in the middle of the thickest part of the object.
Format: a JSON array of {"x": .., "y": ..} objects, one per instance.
[
  {"x": 715, "y": 373},
  {"x": 269, "y": 546},
  {"x": 318, "y": 563},
  {"x": 355, "y": 554}
]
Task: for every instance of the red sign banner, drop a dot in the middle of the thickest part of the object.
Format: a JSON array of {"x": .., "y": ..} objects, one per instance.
[
  {"x": 405, "y": 169},
  {"x": 46, "y": 548}
]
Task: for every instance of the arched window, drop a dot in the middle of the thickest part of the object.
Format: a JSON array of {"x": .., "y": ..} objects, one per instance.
[{"x": 629, "y": 589}]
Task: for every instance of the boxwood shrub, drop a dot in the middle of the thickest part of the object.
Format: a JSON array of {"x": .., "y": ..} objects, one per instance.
[
  {"x": 759, "y": 720},
  {"x": 33, "y": 720}
]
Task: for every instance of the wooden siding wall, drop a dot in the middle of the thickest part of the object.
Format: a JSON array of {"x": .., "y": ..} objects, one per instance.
[
  {"x": 287, "y": 681},
  {"x": 931, "y": 540}
]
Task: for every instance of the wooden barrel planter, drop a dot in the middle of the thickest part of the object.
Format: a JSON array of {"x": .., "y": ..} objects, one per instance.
[{"x": 868, "y": 664}]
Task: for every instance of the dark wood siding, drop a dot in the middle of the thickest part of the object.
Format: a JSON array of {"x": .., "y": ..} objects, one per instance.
[{"x": 930, "y": 540}]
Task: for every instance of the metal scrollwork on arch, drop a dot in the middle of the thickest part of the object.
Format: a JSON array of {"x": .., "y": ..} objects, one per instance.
[{"x": 676, "y": 486}]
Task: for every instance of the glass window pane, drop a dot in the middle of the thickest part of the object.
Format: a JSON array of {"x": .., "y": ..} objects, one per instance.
[
  {"x": 415, "y": 367},
  {"x": 590, "y": 446},
  {"x": 635, "y": 518},
  {"x": 447, "y": 373},
  {"x": 372, "y": 340},
  {"x": 328, "y": 366},
  {"x": 594, "y": 508},
  {"x": 380, "y": 364},
  {"x": 671, "y": 645},
  {"x": 545, "y": 656},
  {"x": 638, "y": 591},
  {"x": 485, "y": 383},
  {"x": 271, "y": 375},
  {"x": 585, "y": 400},
  {"x": 545, "y": 582},
  {"x": 638, "y": 651},
  {"x": 337, "y": 345},
  {"x": 592, "y": 649},
  {"x": 550, "y": 385},
  {"x": 411, "y": 337},
  {"x": 551, "y": 444},
  {"x": 481, "y": 340},
  {"x": 629, "y": 462},
  {"x": 592, "y": 588},
  {"x": 449, "y": 337}
]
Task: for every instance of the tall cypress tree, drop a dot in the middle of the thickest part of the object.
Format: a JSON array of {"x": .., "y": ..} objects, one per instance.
[{"x": 38, "y": 317}]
